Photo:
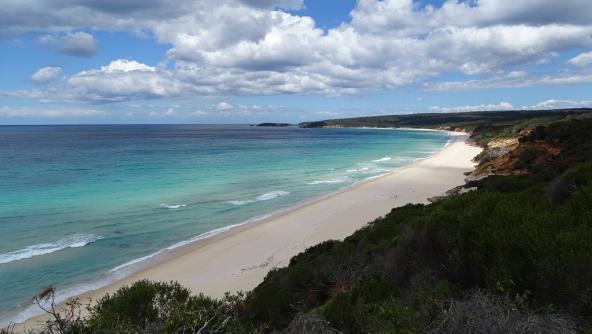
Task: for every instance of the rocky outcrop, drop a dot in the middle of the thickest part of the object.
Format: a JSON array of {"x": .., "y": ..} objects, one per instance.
[
  {"x": 499, "y": 147},
  {"x": 509, "y": 156},
  {"x": 452, "y": 192}
]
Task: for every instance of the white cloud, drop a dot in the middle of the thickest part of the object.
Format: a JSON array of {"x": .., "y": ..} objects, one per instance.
[
  {"x": 123, "y": 80},
  {"x": 583, "y": 59},
  {"x": 505, "y": 106},
  {"x": 482, "y": 107},
  {"x": 125, "y": 65},
  {"x": 248, "y": 47},
  {"x": 560, "y": 104},
  {"x": 79, "y": 44},
  {"x": 46, "y": 73},
  {"x": 224, "y": 106},
  {"x": 505, "y": 81}
]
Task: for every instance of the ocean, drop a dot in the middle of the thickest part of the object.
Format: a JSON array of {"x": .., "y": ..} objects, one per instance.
[{"x": 81, "y": 206}]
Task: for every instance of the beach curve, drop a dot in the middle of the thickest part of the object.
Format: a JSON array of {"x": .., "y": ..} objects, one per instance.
[{"x": 239, "y": 259}]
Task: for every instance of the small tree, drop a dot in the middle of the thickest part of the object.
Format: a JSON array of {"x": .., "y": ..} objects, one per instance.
[{"x": 62, "y": 319}]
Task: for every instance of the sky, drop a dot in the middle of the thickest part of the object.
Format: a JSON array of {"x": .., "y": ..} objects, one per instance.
[{"x": 249, "y": 61}]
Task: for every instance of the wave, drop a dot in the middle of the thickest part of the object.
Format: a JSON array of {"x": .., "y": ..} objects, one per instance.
[
  {"x": 173, "y": 206},
  {"x": 264, "y": 197},
  {"x": 333, "y": 181},
  {"x": 241, "y": 202},
  {"x": 174, "y": 246},
  {"x": 72, "y": 241},
  {"x": 383, "y": 159},
  {"x": 271, "y": 195},
  {"x": 357, "y": 170},
  {"x": 113, "y": 275}
]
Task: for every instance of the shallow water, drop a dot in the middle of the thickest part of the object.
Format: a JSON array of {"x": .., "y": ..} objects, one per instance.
[{"x": 79, "y": 204}]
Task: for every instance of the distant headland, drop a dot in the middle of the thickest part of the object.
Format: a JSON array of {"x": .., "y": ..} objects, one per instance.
[{"x": 274, "y": 124}]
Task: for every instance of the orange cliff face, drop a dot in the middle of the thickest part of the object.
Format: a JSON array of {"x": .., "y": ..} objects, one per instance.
[{"x": 509, "y": 156}]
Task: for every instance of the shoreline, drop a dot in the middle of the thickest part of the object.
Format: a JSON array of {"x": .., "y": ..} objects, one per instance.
[{"x": 238, "y": 258}]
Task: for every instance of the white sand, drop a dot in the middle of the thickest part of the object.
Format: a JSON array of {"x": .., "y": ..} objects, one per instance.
[{"x": 240, "y": 259}]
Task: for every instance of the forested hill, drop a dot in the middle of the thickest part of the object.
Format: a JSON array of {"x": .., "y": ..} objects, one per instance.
[{"x": 466, "y": 121}]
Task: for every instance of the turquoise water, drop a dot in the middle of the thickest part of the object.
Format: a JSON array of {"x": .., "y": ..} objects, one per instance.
[{"x": 79, "y": 205}]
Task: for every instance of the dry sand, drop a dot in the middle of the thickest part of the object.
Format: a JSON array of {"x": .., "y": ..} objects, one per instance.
[{"x": 239, "y": 259}]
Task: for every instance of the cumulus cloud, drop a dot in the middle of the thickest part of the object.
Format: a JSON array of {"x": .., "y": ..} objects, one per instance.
[
  {"x": 120, "y": 80},
  {"x": 583, "y": 59},
  {"x": 123, "y": 80},
  {"x": 252, "y": 47},
  {"x": 46, "y": 73},
  {"x": 78, "y": 44}
]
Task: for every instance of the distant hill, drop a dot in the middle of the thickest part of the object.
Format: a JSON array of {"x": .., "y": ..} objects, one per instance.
[
  {"x": 274, "y": 124},
  {"x": 466, "y": 121}
]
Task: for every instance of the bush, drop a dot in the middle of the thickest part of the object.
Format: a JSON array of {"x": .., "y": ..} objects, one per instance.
[
  {"x": 561, "y": 189},
  {"x": 159, "y": 307},
  {"x": 371, "y": 307}
]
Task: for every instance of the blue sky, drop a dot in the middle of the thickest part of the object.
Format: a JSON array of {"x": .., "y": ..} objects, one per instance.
[{"x": 247, "y": 61}]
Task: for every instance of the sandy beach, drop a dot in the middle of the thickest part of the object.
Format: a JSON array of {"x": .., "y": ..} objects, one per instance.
[{"x": 240, "y": 258}]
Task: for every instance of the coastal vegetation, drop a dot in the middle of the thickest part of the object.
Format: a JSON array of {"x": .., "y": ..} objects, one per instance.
[{"x": 510, "y": 252}]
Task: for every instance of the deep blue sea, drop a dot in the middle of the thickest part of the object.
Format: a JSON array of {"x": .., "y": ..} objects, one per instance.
[{"x": 81, "y": 206}]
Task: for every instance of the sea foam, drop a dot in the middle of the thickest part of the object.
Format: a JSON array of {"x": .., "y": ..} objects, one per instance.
[
  {"x": 382, "y": 159},
  {"x": 332, "y": 181},
  {"x": 357, "y": 170},
  {"x": 173, "y": 206},
  {"x": 264, "y": 197},
  {"x": 72, "y": 241},
  {"x": 271, "y": 195}
]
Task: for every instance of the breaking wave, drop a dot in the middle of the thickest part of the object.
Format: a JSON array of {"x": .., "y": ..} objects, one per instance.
[
  {"x": 264, "y": 197},
  {"x": 332, "y": 181},
  {"x": 383, "y": 159},
  {"x": 172, "y": 206},
  {"x": 72, "y": 241}
]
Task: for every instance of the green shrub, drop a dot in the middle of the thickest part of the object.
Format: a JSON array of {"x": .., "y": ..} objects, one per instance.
[
  {"x": 371, "y": 307},
  {"x": 159, "y": 307},
  {"x": 573, "y": 179}
]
